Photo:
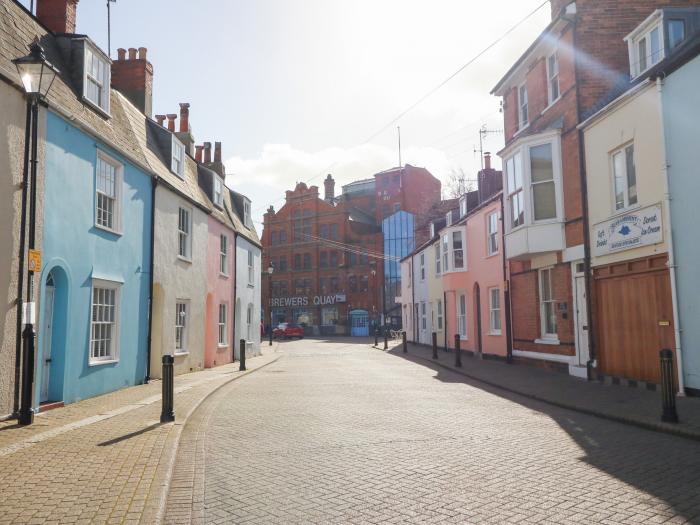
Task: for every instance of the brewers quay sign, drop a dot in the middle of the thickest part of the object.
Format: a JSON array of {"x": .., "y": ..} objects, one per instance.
[
  {"x": 317, "y": 300},
  {"x": 631, "y": 230}
]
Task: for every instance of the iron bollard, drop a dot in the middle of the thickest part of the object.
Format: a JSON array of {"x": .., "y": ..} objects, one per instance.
[
  {"x": 435, "y": 354},
  {"x": 386, "y": 340},
  {"x": 403, "y": 340},
  {"x": 668, "y": 391},
  {"x": 376, "y": 338},
  {"x": 167, "y": 413},
  {"x": 458, "y": 352},
  {"x": 242, "y": 367}
]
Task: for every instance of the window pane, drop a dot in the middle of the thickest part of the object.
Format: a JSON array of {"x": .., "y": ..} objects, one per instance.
[
  {"x": 655, "y": 41},
  {"x": 619, "y": 175},
  {"x": 544, "y": 201},
  {"x": 631, "y": 175},
  {"x": 541, "y": 163},
  {"x": 642, "y": 54},
  {"x": 676, "y": 33},
  {"x": 550, "y": 318}
]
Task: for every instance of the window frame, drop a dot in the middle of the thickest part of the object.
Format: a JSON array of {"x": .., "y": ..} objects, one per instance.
[
  {"x": 218, "y": 195},
  {"x": 438, "y": 259},
  {"x": 626, "y": 205},
  {"x": 492, "y": 235},
  {"x": 184, "y": 336},
  {"x": 223, "y": 255},
  {"x": 177, "y": 147},
  {"x": 421, "y": 260},
  {"x": 461, "y": 307},
  {"x": 551, "y": 77},
  {"x": 523, "y": 123},
  {"x": 497, "y": 311},
  {"x": 117, "y": 224},
  {"x": 223, "y": 326},
  {"x": 453, "y": 250},
  {"x": 545, "y": 335},
  {"x": 439, "y": 314},
  {"x": 113, "y": 357},
  {"x": 187, "y": 235},
  {"x": 643, "y": 32},
  {"x": 251, "y": 268},
  {"x": 103, "y": 84},
  {"x": 247, "y": 214}
]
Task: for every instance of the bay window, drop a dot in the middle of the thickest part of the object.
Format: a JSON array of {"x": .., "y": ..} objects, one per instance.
[
  {"x": 544, "y": 202},
  {"x": 516, "y": 205}
]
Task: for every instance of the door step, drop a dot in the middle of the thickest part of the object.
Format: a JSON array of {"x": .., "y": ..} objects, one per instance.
[
  {"x": 578, "y": 371},
  {"x": 50, "y": 405}
]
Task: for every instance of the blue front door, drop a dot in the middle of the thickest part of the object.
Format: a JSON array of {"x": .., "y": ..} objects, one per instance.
[{"x": 359, "y": 323}]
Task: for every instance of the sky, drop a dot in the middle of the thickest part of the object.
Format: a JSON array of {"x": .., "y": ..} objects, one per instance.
[{"x": 296, "y": 89}]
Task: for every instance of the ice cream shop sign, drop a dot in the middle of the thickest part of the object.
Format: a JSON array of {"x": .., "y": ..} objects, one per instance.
[
  {"x": 317, "y": 300},
  {"x": 631, "y": 230}
]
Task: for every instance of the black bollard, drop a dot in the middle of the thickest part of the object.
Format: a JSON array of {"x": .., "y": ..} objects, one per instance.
[
  {"x": 167, "y": 413},
  {"x": 458, "y": 352},
  {"x": 242, "y": 367},
  {"x": 435, "y": 354},
  {"x": 668, "y": 390},
  {"x": 386, "y": 340},
  {"x": 26, "y": 412},
  {"x": 403, "y": 340},
  {"x": 376, "y": 337}
]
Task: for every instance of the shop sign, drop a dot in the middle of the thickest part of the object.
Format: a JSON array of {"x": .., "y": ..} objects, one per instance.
[
  {"x": 631, "y": 230},
  {"x": 317, "y": 300}
]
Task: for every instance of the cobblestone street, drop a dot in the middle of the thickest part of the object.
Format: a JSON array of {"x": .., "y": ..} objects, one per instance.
[{"x": 341, "y": 432}]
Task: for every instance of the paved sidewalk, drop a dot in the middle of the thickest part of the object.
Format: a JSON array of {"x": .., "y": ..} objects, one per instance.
[
  {"x": 106, "y": 459},
  {"x": 629, "y": 405}
]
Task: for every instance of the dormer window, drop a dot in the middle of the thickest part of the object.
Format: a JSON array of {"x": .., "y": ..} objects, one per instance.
[
  {"x": 676, "y": 33},
  {"x": 646, "y": 45},
  {"x": 462, "y": 206},
  {"x": 218, "y": 192},
  {"x": 247, "y": 218},
  {"x": 97, "y": 78},
  {"x": 448, "y": 218},
  {"x": 177, "y": 164}
]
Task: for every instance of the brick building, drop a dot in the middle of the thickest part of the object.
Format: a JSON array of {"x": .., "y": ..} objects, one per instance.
[
  {"x": 572, "y": 67},
  {"x": 332, "y": 254}
]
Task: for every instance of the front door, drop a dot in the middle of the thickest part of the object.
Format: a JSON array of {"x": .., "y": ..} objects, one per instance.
[
  {"x": 46, "y": 329},
  {"x": 582, "y": 350}
]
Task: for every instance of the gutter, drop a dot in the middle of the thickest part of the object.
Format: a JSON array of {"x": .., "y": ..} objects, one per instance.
[
  {"x": 154, "y": 184},
  {"x": 671, "y": 257}
]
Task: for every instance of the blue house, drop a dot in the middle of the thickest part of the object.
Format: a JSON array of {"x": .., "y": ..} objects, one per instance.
[{"x": 94, "y": 214}]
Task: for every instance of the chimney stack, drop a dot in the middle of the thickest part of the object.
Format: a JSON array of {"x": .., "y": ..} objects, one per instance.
[
  {"x": 184, "y": 117},
  {"x": 329, "y": 187},
  {"x": 133, "y": 77},
  {"x": 207, "y": 153},
  {"x": 58, "y": 15},
  {"x": 198, "y": 154},
  {"x": 487, "y": 160},
  {"x": 160, "y": 119},
  {"x": 171, "y": 121},
  {"x": 217, "y": 152}
]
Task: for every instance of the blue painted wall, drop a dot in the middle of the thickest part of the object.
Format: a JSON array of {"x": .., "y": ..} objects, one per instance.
[
  {"x": 75, "y": 250},
  {"x": 681, "y": 100}
]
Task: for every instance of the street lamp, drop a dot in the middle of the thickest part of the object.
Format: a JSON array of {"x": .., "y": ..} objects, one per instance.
[
  {"x": 37, "y": 76},
  {"x": 270, "y": 271}
]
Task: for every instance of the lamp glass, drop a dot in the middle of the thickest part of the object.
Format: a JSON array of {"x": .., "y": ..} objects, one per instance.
[
  {"x": 30, "y": 73},
  {"x": 270, "y": 269}
]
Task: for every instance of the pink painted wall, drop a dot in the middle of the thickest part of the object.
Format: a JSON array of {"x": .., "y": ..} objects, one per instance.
[
  {"x": 485, "y": 270},
  {"x": 219, "y": 290}
]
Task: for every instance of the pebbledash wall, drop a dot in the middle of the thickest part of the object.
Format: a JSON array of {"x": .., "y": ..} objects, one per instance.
[
  {"x": 247, "y": 296},
  {"x": 77, "y": 255}
]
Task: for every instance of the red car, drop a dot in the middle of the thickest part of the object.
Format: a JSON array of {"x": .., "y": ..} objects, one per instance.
[{"x": 287, "y": 331}]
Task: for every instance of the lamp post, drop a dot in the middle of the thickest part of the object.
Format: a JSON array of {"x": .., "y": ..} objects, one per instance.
[
  {"x": 37, "y": 76},
  {"x": 270, "y": 271}
]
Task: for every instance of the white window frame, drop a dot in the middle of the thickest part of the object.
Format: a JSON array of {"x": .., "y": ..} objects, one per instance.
[
  {"x": 223, "y": 254},
  {"x": 461, "y": 307},
  {"x": 522, "y": 154},
  {"x": 643, "y": 33},
  {"x": 247, "y": 218},
  {"x": 421, "y": 259},
  {"x": 223, "y": 325},
  {"x": 494, "y": 311},
  {"x": 546, "y": 335},
  {"x": 410, "y": 273},
  {"x": 184, "y": 235},
  {"x": 182, "y": 324},
  {"x": 113, "y": 355},
  {"x": 492, "y": 244},
  {"x": 117, "y": 203},
  {"x": 177, "y": 160},
  {"x": 552, "y": 76},
  {"x": 438, "y": 259},
  {"x": 462, "y": 206},
  {"x": 218, "y": 191},
  {"x": 523, "y": 107},
  {"x": 251, "y": 268},
  {"x": 249, "y": 322},
  {"x": 446, "y": 241},
  {"x": 103, "y": 84},
  {"x": 453, "y": 250},
  {"x": 439, "y": 314},
  {"x": 626, "y": 204},
  {"x": 423, "y": 316}
]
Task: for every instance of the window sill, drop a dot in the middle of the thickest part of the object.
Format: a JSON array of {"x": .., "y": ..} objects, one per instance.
[
  {"x": 624, "y": 211},
  {"x": 178, "y": 175},
  {"x": 547, "y": 341},
  {"x": 494, "y": 332},
  {"x": 97, "y": 108},
  {"x": 520, "y": 130},
  {"x": 184, "y": 259},
  {"x": 105, "y": 362},
  {"x": 250, "y": 285},
  {"x": 220, "y": 346},
  {"x": 179, "y": 354},
  {"x": 552, "y": 103},
  {"x": 489, "y": 255},
  {"x": 118, "y": 233},
  {"x": 223, "y": 275}
]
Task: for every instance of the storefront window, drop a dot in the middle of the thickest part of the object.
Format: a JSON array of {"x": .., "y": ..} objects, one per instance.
[{"x": 329, "y": 315}]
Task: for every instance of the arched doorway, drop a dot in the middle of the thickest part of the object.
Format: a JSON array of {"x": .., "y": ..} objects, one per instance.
[
  {"x": 477, "y": 318},
  {"x": 53, "y": 332}
]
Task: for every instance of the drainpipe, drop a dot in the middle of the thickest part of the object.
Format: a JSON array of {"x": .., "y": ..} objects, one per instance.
[
  {"x": 413, "y": 299},
  {"x": 154, "y": 184},
  {"x": 506, "y": 287},
  {"x": 444, "y": 317},
  {"x": 671, "y": 257}
]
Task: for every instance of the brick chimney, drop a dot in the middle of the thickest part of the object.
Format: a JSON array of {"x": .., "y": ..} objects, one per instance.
[
  {"x": 57, "y": 15},
  {"x": 329, "y": 189},
  {"x": 185, "y": 133},
  {"x": 160, "y": 119},
  {"x": 133, "y": 77},
  {"x": 216, "y": 164},
  {"x": 171, "y": 121},
  {"x": 198, "y": 154},
  {"x": 217, "y": 151},
  {"x": 207, "y": 153}
]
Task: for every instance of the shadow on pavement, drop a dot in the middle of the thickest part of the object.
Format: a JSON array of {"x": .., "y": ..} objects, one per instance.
[{"x": 129, "y": 436}]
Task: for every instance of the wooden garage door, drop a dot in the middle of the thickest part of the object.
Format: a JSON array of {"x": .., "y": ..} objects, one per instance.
[{"x": 634, "y": 317}]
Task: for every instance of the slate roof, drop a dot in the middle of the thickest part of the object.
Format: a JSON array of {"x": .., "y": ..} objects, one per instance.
[{"x": 236, "y": 212}]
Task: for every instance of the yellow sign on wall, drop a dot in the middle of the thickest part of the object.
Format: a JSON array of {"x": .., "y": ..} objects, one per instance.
[{"x": 34, "y": 263}]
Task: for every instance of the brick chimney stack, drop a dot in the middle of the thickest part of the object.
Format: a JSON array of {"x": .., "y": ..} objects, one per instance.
[
  {"x": 207, "y": 153},
  {"x": 160, "y": 119},
  {"x": 329, "y": 189},
  {"x": 487, "y": 160},
  {"x": 58, "y": 15},
  {"x": 133, "y": 77},
  {"x": 171, "y": 121},
  {"x": 198, "y": 154},
  {"x": 185, "y": 134},
  {"x": 217, "y": 151}
]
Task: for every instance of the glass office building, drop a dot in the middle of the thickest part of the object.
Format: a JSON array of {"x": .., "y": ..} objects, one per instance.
[{"x": 399, "y": 241}]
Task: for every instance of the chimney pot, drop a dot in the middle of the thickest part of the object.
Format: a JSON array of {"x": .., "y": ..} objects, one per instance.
[
  {"x": 487, "y": 160},
  {"x": 207, "y": 152},
  {"x": 184, "y": 117},
  {"x": 160, "y": 119},
  {"x": 171, "y": 121},
  {"x": 142, "y": 53},
  {"x": 198, "y": 154},
  {"x": 58, "y": 15},
  {"x": 132, "y": 53},
  {"x": 217, "y": 151},
  {"x": 134, "y": 78},
  {"x": 121, "y": 54}
]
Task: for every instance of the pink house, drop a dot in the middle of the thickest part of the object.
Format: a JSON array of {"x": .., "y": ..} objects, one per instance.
[
  {"x": 474, "y": 292},
  {"x": 221, "y": 274}
]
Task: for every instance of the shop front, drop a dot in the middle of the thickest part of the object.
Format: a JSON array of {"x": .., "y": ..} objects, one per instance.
[{"x": 319, "y": 314}]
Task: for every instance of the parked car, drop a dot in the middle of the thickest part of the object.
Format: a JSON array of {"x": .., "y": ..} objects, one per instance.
[{"x": 287, "y": 331}]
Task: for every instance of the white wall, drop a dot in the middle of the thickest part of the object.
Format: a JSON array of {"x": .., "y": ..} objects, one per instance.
[{"x": 247, "y": 293}]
